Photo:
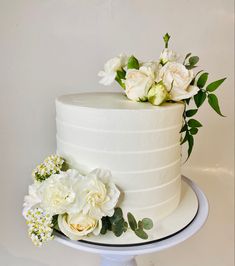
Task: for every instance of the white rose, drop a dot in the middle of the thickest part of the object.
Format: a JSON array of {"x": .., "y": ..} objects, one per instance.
[
  {"x": 32, "y": 199},
  {"x": 139, "y": 81},
  {"x": 176, "y": 77},
  {"x": 59, "y": 192},
  {"x": 77, "y": 226},
  {"x": 99, "y": 195},
  {"x": 110, "y": 69},
  {"x": 168, "y": 55},
  {"x": 178, "y": 94},
  {"x": 158, "y": 94}
]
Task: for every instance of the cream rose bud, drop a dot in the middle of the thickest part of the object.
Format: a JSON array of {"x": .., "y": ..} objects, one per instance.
[
  {"x": 158, "y": 94},
  {"x": 168, "y": 55},
  {"x": 76, "y": 226},
  {"x": 139, "y": 81},
  {"x": 111, "y": 67}
]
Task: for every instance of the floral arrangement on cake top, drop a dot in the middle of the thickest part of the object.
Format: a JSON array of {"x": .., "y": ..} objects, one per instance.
[
  {"x": 64, "y": 200},
  {"x": 167, "y": 79}
]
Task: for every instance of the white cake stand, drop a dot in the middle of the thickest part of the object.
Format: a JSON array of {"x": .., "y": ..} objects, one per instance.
[{"x": 125, "y": 256}]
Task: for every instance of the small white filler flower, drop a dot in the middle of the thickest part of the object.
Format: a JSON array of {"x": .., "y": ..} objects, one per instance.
[{"x": 40, "y": 226}]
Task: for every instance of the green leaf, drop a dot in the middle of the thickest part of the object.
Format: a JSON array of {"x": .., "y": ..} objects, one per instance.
[
  {"x": 202, "y": 80},
  {"x": 118, "y": 215},
  {"x": 194, "y": 123},
  {"x": 118, "y": 228},
  {"x": 185, "y": 138},
  {"x": 214, "y": 85},
  {"x": 193, "y": 60},
  {"x": 106, "y": 225},
  {"x": 140, "y": 233},
  {"x": 189, "y": 67},
  {"x": 199, "y": 98},
  {"x": 184, "y": 128},
  {"x": 191, "y": 112},
  {"x": 140, "y": 225},
  {"x": 214, "y": 103},
  {"x": 125, "y": 226},
  {"x": 186, "y": 57},
  {"x": 121, "y": 74},
  {"x": 193, "y": 130},
  {"x": 193, "y": 80},
  {"x": 190, "y": 145},
  {"x": 166, "y": 39},
  {"x": 187, "y": 100},
  {"x": 147, "y": 223},
  {"x": 132, "y": 221},
  {"x": 133, "y": 63}
]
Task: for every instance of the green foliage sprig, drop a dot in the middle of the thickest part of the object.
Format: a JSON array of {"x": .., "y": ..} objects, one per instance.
[
  {"x": 191, "y": 126},
  {"x": 118, "y": 225}
]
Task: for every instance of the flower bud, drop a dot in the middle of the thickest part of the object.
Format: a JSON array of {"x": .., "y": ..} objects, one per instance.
[{"x": 158, "y": 94}]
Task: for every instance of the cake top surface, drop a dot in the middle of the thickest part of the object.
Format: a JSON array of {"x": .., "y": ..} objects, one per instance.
[{"x": 109, "y": 100}]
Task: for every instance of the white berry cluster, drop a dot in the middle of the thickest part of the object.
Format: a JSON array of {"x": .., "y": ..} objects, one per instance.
[
  {"x": 40, "y": 226},
  {"x": 51, "y": 165}
]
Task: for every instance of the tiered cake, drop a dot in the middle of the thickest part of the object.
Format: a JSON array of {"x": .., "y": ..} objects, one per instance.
[{"x": 138, "y": 142}]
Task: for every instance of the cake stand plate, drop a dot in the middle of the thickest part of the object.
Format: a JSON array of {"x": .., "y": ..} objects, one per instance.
[
  {"x": 170, "y": 225},
  {"x": 119, "y": 255}
]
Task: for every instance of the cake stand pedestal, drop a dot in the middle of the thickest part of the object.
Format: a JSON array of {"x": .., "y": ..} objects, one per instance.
[{"x": 125, "y": 256}]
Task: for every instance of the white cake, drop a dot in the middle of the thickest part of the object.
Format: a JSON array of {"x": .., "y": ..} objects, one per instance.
[{"x": 138, "y": 142}]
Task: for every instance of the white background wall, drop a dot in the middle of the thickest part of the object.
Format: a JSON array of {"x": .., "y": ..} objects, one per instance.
[{"x": 52, "y": 47}]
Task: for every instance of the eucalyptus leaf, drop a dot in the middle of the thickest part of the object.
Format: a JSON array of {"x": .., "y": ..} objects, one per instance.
[
  {"x": 106, "y": 225},
  {"x": 191, "y": 112},
  {"x": 193, "y": 60},
  {"x": 214, "y": 103},
  {"x": 202, "y": 80},
  {"x": 132, "y": 221},
  {"x": 199, "y": 98},
  {"x": 186, "y": 57},
  {"x": 214, "y": 85},
  {"x": 147, "y": 223},
  {"x": 194, "y": 123},
  {"x": 189, "y": 67},
  {"x": 133, "y": 63},
  {"x": 118, "y": 228},
  {"x": 140, "y": 224},
  {"x": 117, "y": 216},
  {"x": 140, "y": 233}
]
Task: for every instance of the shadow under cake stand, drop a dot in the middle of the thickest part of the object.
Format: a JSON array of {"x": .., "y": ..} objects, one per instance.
[{"x": 125, "y": 255}]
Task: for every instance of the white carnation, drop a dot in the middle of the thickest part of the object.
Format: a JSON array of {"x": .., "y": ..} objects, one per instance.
[
  {"x": 32, "y": 199},
  {"x": 59, "y": 192},
  {"x": 168, "y": 55},
  {"x": 111, "y": 67},
  {"x": 99, "y": 195}
]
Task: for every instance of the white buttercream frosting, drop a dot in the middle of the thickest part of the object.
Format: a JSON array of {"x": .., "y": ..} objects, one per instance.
[{"x": 138, "y": 142}]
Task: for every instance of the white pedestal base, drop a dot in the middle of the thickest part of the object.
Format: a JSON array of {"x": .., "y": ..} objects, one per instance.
[{"x": 118, "y": 260}]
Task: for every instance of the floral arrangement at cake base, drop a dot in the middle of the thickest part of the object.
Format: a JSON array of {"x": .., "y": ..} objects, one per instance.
[{"x": 77, "y": 205}]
